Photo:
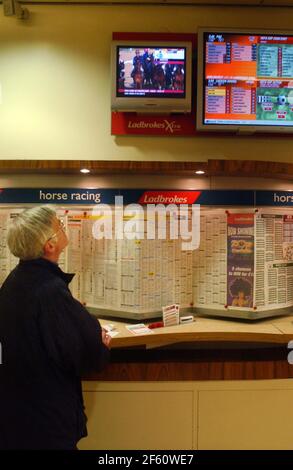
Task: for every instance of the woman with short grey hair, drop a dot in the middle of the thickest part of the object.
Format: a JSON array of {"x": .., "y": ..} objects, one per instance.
[
  {"x": 29, "y": 231},
  {"x": 48, "y": 338}
]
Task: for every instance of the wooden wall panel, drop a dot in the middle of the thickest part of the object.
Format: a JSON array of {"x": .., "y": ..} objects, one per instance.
[
  {"x": 243, "y": 168},
  {"x": 164, "y": 365}
]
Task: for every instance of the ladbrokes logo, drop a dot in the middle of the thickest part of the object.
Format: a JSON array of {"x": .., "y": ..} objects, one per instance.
[
  {"x": 168, "y": 126},
  {"x": 169, "y": 197}
]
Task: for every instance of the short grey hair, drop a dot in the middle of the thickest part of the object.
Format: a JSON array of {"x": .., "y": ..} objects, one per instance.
[{"x": 29, "y": 231}]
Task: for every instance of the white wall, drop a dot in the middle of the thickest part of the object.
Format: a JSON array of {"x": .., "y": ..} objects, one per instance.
[{"x": 55, "y": 80}]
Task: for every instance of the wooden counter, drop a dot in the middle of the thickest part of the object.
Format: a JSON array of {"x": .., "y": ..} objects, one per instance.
[
  {"x": 208, "y": 349},
  {"x": 273, "y": 331},
  {"x": 213, "y": 384}
]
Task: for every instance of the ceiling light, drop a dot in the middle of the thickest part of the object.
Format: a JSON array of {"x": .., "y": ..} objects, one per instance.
[
  {"x": 199, "y": 172},
  {"x": 85, "y": 170}
]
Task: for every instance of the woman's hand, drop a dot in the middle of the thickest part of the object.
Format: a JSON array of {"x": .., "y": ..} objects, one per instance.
[{"x": 106, "y": 338}]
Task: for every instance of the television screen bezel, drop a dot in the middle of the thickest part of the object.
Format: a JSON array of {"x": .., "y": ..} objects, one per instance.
[
  {"x": 200, "y": 102},
  {"x": 144, "y": 104}
]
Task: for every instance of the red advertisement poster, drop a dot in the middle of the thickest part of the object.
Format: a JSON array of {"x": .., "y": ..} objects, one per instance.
[{"x": 240, "y": 263}]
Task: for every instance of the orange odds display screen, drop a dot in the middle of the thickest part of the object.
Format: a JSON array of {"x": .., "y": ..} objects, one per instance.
[{"x": 248, "y": 79}]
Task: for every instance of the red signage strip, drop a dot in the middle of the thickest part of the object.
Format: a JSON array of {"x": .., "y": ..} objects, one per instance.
[
  {"x": 169, "y": 197},
  {"x": 131, "y": 123},
  {"x": 241, "y": 219}
]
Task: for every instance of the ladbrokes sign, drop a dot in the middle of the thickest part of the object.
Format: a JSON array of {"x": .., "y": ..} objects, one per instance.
[
  {"x": 131, "y": 123},
  {"x": 169, "y": 197},
  {"x": 166, "y": 125}
]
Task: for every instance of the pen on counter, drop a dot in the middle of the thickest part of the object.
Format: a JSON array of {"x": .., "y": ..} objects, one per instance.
[{"x": 157, "y": 324}]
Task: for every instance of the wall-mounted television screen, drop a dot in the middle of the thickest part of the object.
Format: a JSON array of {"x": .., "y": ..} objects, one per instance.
[
  {"x": 151, "y": 76},
  {"x": 245, "y": 80}
]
